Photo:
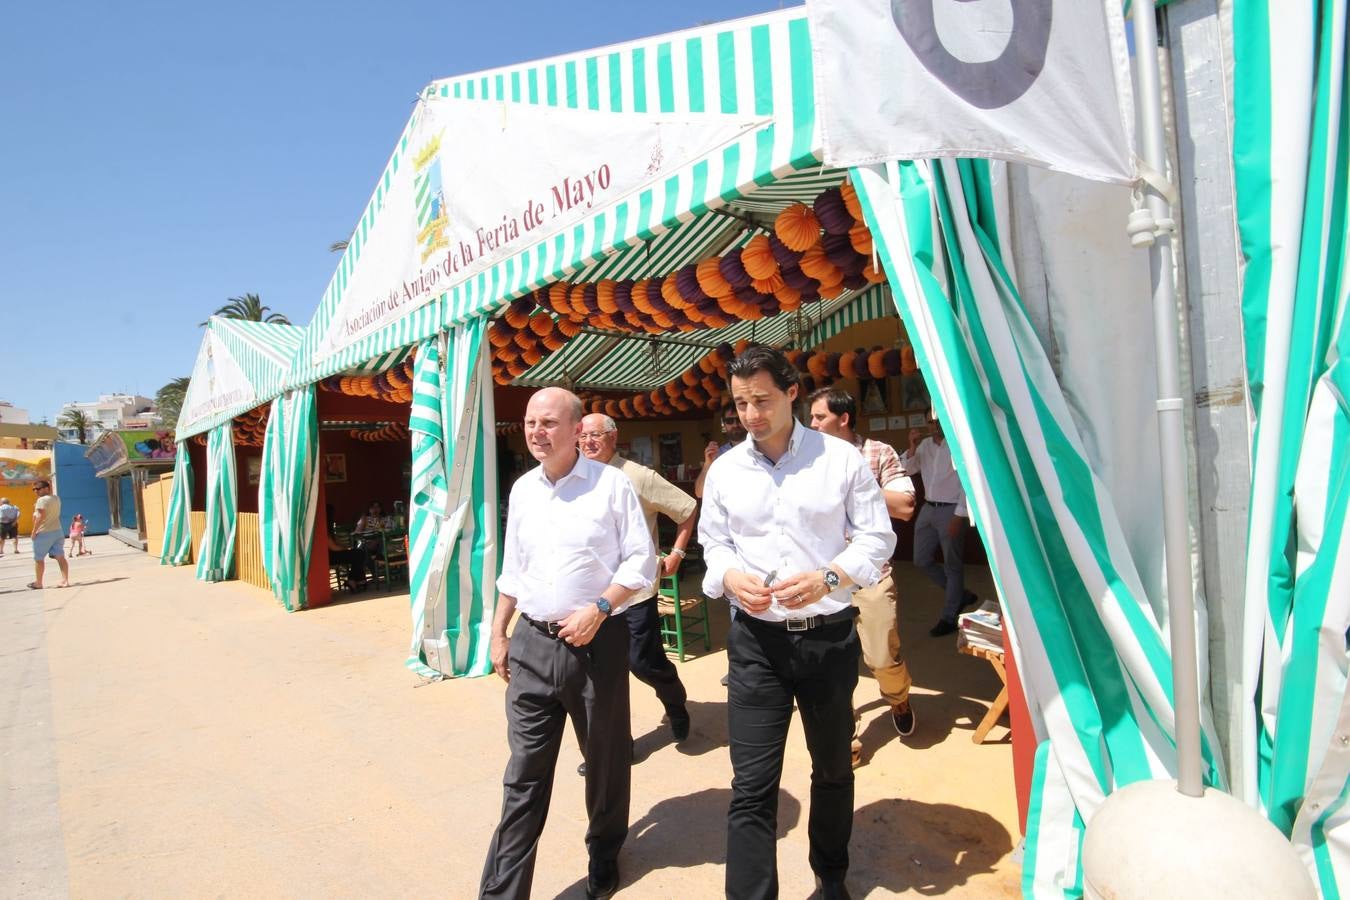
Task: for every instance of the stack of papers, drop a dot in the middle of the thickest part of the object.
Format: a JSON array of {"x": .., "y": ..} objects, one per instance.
[{"x": 982, "y": 628}]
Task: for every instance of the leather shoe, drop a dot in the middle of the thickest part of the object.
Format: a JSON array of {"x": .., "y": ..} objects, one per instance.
[
  {"x": 902, "y": 716},
  {"x": 833, "y": 890},
  {"x": 679, "y": 724},
  {"x": 602, "y": 880},
  {"x": 581, "y": 770},
  {"x": 943, "y": 627}
]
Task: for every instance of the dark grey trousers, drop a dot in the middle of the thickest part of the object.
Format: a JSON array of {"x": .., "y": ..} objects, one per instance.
[{"x": 550, "y": 681}]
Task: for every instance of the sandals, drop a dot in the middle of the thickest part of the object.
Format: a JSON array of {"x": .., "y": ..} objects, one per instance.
[{"x": 34, "y": 586}]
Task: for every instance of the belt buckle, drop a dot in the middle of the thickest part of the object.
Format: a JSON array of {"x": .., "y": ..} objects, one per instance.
[{"x": 800, "y": 624}]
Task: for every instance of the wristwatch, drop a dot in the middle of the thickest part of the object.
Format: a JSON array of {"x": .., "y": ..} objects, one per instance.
[
  {"x": 603, "y": 605},
  {"x": 831, "y": 579}
]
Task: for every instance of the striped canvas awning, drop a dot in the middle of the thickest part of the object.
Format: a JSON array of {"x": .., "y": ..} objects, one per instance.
[
  {"x": 755, "y": 70},
  {"x": 240, "y": 365}
]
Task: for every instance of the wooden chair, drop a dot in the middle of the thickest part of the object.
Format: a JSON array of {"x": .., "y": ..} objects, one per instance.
[
  {"x": 395, "y": 561},
  {"x": 682, "y": 619}
]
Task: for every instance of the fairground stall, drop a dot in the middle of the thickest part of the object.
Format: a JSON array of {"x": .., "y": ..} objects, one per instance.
[
  {"x": 619, "y": 219},
  {"x": 127, "y": 461}
]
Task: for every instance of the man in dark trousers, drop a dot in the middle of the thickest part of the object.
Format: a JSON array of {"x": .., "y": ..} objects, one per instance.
[
  {"x": 646, "y": 657},
  {"x": 576, "y": 551},
  {"x": 792, "y": 520}
]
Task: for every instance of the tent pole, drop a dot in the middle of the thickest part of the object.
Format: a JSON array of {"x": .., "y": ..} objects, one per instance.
[{"x": 1171, "y": 425}]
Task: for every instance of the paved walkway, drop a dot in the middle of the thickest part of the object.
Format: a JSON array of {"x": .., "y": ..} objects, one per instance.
[{"x": 163, "y": 737}]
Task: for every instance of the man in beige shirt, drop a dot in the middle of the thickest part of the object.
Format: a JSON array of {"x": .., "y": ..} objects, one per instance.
[
  {"x": 48, "y": 538},
  {"x": 646, "y": 657}
]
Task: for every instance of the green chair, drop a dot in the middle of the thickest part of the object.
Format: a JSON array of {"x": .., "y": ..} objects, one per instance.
[{"x": 682, "y": 620}]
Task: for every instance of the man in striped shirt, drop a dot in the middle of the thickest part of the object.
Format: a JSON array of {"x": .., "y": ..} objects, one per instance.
[{"x": 833, "y": 412}]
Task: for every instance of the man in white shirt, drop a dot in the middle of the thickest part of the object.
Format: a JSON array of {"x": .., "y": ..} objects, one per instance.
[
  {"x": 833, "y": 412},
  {"x": 792, "y": 519},
  {"x": 646, "y": 657},
  {"x": 942, "y": 522},
  {"x": 576, "y": 551}
]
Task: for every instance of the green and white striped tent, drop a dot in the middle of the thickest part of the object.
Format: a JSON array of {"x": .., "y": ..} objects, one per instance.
[
  {"x": 1291, "y": 119},
  {"x": 1028, "y": 317},
  {"x": 239, "y": 366}
]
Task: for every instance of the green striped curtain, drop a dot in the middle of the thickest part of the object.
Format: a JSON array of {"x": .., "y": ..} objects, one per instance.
[
  {"x": 288, "y": 495},
  {"x": 452, "y": 544},
  {"x": 177, "y": 525},
  {"x": 215, "y": 559},
  {"x": 1291, "y": 120},
  {"x": 1090, "y": 648}
]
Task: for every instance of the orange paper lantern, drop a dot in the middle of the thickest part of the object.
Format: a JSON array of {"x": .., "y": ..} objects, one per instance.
[
  {"x": 851, "y": 203},
  {"x": 797, "y": 227},
  {"x": 757, "y": 257}
]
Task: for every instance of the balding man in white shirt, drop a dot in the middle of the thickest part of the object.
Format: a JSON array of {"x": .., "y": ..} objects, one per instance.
[
  {"x": 792, "y": 520},
  {"x": 942, "y": 521},
  {"x": 576, "y": 551}
]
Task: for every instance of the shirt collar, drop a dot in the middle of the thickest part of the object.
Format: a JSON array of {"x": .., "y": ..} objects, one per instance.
[
  {"x": 794, "y": 441},
  {"x": 579, "y": 470}
]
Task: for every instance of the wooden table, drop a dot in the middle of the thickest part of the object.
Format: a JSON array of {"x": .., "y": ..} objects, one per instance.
[{"x": 1000, "y": 704}]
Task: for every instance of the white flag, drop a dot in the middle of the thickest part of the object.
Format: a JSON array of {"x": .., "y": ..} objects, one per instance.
[{"x": 1045, "y": 82}]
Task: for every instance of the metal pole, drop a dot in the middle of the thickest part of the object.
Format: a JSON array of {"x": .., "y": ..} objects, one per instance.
[{"x": 1171, "y": 430}]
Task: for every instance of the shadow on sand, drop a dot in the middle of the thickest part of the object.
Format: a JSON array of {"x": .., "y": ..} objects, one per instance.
[{"x": 679, "y": 833}]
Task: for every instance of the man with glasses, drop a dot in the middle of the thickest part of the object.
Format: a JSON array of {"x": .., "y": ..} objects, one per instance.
[
  {"x": 734, "y": 432},
  {"x": 646, "y": 657},
  {"x": 48, "y": 538}
]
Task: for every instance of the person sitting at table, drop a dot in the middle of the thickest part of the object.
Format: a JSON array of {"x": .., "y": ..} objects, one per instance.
[
  {"x": 373, "y": 520},
  {"x": 354, "y": 559}
]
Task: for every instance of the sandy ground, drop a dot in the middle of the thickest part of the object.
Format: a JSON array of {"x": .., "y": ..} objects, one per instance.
[{"x": 166, "y": 738}]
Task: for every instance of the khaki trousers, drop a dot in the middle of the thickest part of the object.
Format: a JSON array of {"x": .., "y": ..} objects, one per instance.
[{"x": 879, "y": 633}]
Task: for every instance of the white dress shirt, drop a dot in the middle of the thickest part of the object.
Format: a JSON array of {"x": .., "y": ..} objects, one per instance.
[
  {"x": 792, "y": 516},
  {"x": 568, "y": 541},
  {"x": 941, "y": 484}
]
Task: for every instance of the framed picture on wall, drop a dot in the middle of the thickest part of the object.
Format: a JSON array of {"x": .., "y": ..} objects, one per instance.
[
  {"x": 334, "y": 468},
  {"x": 873, "y": 392},
  {"x": 914, "y": 392},
  {"x": 254, "y": 466}
]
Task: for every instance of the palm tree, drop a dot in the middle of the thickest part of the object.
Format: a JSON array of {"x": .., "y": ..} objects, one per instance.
[
  {"x": 77, "y": 420},
  {"x": 250, "y": 308},
  {"x": 169, "y": 400}
]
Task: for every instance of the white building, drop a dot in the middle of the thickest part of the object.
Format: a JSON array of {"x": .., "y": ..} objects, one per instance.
[
  {"x": 12, "y": 415},
  {"x": 111, "y": 412}
]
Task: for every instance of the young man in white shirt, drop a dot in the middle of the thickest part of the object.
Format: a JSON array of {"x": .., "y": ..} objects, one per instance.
[
  {"x": 576, "y": 551},
  {"x": 942, "y": 521},
  {"x": 792, "y": 519}
]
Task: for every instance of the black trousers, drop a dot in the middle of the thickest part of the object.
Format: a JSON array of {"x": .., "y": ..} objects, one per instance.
[
  {"x": 770, "y": 669},
  {"x": 647, "y": 658},
  {"x": 551, "y": 681}
]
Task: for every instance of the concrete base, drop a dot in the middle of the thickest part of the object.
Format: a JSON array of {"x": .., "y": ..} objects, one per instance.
[
  {"x": 1149, "y": 841},
  {"x": 128, "y": 536}
]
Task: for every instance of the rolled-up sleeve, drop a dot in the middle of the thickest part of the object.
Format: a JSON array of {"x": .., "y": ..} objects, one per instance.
[
  {"x": 637, "y": 557},
  {"x": 714, "y": 535},
  {"x": 872, "y": 541}
]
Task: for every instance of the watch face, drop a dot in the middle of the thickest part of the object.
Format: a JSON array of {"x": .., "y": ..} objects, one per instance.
[{"x": 831, "y": 579}]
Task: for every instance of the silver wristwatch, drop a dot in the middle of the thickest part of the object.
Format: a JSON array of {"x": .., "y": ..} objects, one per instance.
[{"x": 831, "y": 578}]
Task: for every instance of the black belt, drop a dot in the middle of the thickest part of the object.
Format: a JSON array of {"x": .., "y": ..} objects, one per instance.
[
  {"x": 940, "y": 503},
  {"x": 549, "y": 628},
  {"x": 807, "y": 623}
]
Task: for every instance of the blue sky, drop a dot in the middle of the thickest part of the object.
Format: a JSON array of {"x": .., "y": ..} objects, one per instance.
[{"x": 159, "y": 158}]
